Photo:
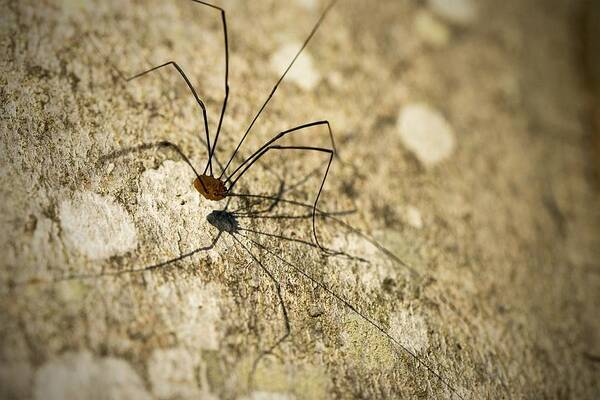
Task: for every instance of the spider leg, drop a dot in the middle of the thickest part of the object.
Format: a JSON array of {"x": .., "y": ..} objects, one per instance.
[
  {"x": 361, "y": 314},
  {"x": 283, "y": 188},
  {"x": 194, "y": 93},
  {"x": 331, "y": 216},
  {"x": 226, "y": 97},
  {"x": 304, "y": 242},
  {"x": 260, "y": 215},
  {"x": 246, "y": 164},
  {"x": 206, "y": 142},
  {"x": 286, "y": 320},
  {"x": 146, "y": 146},
  {"x": 279, "y": 136},
  {"x": 310, "y": 35},
  {"x": 159, "y": 265},
  {"x": 308, "y": 148}
]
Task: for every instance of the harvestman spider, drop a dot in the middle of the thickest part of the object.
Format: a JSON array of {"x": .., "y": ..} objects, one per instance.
[{"x": 216, "y": 188}]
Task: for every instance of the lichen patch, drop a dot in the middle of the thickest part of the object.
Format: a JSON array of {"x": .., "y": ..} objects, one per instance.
[
  {"x": 192, "y": 310},
  {"x": 83, "y": 376},
  {"x": 308, "y": 4},
  {"x": 172, "y": 374},
  {"x": 97, "y": 226},
  {"x": 364, "y": 346},
  {"x": 413, "y": 217},
  {"x": 258, "y": 395},
  {"x": 410, "y": 329}
]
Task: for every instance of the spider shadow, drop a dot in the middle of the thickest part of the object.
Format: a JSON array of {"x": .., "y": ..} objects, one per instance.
[
  {"x": 259, "y": 207},
  {"x": 249, "y": 208}
]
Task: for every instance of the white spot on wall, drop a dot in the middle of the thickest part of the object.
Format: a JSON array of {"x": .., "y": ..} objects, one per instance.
[
  {"x": 303, "y": 72},
  {"x": 97, "y": 226},
  {"x": 308, "y": 4},
  {"x": 413, "y": 217},
  {"x": 172, "y": 374},
  {"x": 82, "y": 376},
  {"x": 431, "y": 30},
  {"x": 260, "y": 395},
  {"x": 410, "y": 329},
  {"x": 426, "y": 133},
  {"x": 460, "y": 12},
  {"x": 192, "y": 310}
]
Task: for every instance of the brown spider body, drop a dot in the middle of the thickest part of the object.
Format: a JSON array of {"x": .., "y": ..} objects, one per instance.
[{"x": 210, "y": 188}]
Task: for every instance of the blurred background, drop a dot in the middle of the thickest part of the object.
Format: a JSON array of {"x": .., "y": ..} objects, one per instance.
[{"x": 468, "y": 159}]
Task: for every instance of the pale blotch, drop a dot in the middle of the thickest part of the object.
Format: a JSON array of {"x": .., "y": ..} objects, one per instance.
[
  {"x": 259, "y": 395},
  {"x": 192, "y": 311},
  {"x": 431, "y": 31},
  {"x": 308, "y": 4},
  {"x": 426, "y": 133},
  {"x": 303, "y": 73},
  {"x": 413, "y": 217},
  {"x": 82, "y": 376},
  {"x": 278, "y": 380},
  {"x": 460, "y": 12},
  {"x": 97, "y": 226},
  {"x": 172, "y": 211},
  {"x": 410, "y": 329},
  {"x": 172, "y": 374}
]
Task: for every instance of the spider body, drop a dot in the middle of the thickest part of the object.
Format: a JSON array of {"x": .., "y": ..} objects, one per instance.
[
  {"x": 218, "y": 187},
  {"x": 210, "y": 188}
]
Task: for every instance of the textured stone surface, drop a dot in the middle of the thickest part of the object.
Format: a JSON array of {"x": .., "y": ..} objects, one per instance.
[
  {"x": 80, "y": 375},
  {"x": 490, "y": 272},
  {"x": 96, "y": 226}
]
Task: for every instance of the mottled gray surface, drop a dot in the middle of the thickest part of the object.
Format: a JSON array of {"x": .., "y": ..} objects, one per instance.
[{"x": 501, "y": 232}]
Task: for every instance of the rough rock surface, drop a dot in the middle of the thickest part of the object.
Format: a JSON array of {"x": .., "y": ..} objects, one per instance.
[{"x": 494, "y": 277}]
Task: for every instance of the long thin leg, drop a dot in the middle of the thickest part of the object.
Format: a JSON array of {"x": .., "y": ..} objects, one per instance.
[
  {"x": 268, "y": 145},
  {"x": 161, "y": 264},
  {"x": 336, "y": 253},
  {"x": 366, "y": 318},
  {"x": 311, "y": 34},
  {"x": 198, "y": 100},
  {"x": 260, "y": 215},
  {"x": 127, "y": 79},
  {"x": 327, "y": 215},
  {"x": 224, "y": 22},
  {"x": 283, "y": 188},
  {"x": 286, "y": 320},
  {"x": 269, "y": 208},
  {"x": 146, "y": 146},
  {"x": 278, "y": 137},
  {"x": 309, "y": 148}
]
